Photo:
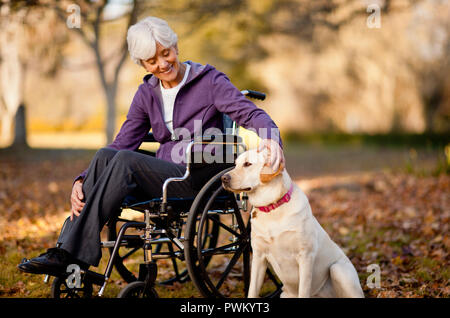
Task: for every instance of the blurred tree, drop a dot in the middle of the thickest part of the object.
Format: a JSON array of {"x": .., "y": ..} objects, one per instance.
[
  {"x": 109, "y": 60},
  {"x": 234, "y": 35},
  {"x": 431, "y": 64},
  {"x": 24, "y": 43},
  {"x": 12, "y": 70}
]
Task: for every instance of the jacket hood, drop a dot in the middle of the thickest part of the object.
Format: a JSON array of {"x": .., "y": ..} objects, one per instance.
[{"x": 197, "y": 70}]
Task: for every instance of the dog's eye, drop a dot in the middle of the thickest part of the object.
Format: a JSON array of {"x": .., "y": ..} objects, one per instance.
[{"x": 247, "y": 164}]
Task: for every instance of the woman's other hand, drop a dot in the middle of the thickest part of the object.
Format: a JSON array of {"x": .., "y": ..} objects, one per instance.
[
  {"x": 275, "y": 154},
  {"x": 76, "y": 198}
]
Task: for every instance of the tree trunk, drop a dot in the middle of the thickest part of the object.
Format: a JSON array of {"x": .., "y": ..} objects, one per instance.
[
  {"x": 11, "y": 71},
  {"x": 20, "y": 129},
  {"x": 432, "y": 103},
  {"x": 109, "y": 83},
  {"x": 14, "y": 129},
  {"x": 110, "y": 114}
]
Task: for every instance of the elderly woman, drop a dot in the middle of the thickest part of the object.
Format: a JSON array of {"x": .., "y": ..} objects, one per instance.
[{"x": 173, "y": 96}]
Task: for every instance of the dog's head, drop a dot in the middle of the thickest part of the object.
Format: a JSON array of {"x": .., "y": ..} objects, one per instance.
[{"x": 250, "y": 172}]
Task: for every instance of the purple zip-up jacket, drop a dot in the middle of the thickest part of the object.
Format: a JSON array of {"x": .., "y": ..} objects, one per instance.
[{"x": 206, "y": 95}]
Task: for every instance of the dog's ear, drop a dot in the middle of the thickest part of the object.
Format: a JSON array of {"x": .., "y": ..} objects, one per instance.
[{"x": 266, "y": 174}]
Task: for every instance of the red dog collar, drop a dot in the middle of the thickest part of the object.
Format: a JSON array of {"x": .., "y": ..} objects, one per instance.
[{"x": 286, "y": 198}]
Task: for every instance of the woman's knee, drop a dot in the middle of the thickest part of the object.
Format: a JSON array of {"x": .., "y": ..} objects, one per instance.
[
  {"x": 106, "y": 153},
  {"x": 125, "y": 157}
]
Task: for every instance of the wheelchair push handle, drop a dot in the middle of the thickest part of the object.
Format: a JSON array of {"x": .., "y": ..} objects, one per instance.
[{"x": 254, "y": 94}]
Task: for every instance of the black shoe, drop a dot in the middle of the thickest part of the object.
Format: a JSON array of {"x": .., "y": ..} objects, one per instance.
[{"x": 53, "y": 262}]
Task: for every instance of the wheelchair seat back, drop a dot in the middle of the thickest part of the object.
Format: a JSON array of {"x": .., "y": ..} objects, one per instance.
[{"x": 222, "y": 158}]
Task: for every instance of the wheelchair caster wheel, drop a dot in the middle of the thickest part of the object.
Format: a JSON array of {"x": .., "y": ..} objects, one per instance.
[
  {"x": 60, "y": 289},
  {"x": 135, "y": 290}
]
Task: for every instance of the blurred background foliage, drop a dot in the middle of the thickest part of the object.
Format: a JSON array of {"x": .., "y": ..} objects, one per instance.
[{"x": 324, "y": 68}]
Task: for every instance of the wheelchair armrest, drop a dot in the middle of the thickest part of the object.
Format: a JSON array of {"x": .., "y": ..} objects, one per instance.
[
  {"x": 205, "y": 139},
  {"x": 219, "y": 138},
  {"x": 149, "y": 138},
  {"x": 224, "y": 139}
]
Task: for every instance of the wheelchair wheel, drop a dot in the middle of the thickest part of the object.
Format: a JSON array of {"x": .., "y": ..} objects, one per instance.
[
  {"x": 136, "y": 290},
  {"x": 224, "y": 269},
  {"x": 61, "y": 290}
]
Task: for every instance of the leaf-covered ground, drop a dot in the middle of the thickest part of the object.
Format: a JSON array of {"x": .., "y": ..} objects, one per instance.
[
  {"x": 389, "y": 207},
  {"x": 398, "y": 222}
]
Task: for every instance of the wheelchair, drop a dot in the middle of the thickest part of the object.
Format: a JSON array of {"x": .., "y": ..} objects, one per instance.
[{"x": 205, "y": 239}]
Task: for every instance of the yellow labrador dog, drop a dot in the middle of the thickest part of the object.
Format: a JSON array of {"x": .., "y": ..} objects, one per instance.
[{"x": 287, "y": 235}]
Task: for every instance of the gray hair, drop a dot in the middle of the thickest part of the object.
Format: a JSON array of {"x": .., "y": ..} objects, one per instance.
[{"x": 142, "y": 38}]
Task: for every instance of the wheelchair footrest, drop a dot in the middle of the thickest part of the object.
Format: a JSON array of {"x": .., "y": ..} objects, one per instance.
[{"x": 94, "y": 278}]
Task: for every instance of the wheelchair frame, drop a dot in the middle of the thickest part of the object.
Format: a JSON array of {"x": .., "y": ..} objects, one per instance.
[
  {"x": 149, "y": 269},
  {"x": 169, "y": 224}
]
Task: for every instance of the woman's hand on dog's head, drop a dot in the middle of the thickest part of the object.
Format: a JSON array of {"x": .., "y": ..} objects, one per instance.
[{"x": 275, "y": 155}]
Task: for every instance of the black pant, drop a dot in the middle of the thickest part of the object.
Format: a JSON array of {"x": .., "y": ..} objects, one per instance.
[{"x": 113, "y": 175}]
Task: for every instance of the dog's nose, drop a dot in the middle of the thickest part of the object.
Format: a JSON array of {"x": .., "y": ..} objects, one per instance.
[{"x": 226, "y": 178}]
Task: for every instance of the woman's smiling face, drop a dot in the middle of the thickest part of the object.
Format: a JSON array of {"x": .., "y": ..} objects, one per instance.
[{"x": 165, "y": 65}]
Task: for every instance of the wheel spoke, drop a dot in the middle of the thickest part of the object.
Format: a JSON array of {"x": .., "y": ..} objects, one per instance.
[
  {"x": 215, "y": 250},
  {"x": 229, "y": 267},
  {"x": 222, "y": 225},
  {"x": 134, "y": 250},
  {"x": 174, "y": 261}
]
